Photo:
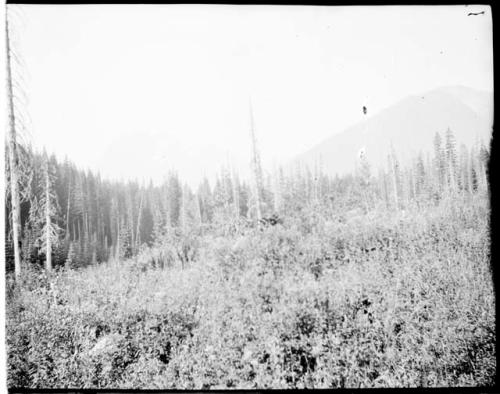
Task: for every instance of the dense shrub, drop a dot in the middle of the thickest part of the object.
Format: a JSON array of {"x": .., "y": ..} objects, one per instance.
[{"x": 377, "y": 300}]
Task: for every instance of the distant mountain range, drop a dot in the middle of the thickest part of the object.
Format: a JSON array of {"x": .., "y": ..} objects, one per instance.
[{"x": 410, "y": 126}]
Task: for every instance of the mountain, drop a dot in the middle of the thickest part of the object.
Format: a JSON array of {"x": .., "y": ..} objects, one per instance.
[{"x": 410, "y": 126}]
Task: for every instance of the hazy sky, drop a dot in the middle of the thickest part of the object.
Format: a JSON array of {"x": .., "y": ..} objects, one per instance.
[{"x": 135, "y": 90}]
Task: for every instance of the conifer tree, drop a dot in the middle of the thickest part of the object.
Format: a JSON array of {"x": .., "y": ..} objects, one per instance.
[
  {"x": 48, "y": 211},
  {"x": 124, "y": 246},
  {"x": 473, "y": 173},
  {"x": 484, "y": 157},
  {"x": 464, "y": 169},
  {"x": 394, "y": 175},
  {"x": 235, "y": 194},
  {"x": 184, "y": 203},
  {"x": 451, "y": 160},
  {"x": 206, "y": 201},
  {"x": 139, "y": 217},
  {"x": 365, "y": 179},
  {"x": 277, "y": 191},
  {"x": 419, "y": 176},
  {"x": 439, "y": 161},
  {"x": 197, "y": 211}
]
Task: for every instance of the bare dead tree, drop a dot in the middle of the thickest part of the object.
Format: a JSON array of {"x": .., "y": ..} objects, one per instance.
[
  {"x": 256, "y": 168},
  {"x": 13, "y": 161}
]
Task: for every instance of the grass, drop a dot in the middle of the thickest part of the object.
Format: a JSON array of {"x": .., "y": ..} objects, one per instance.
[{"x": 380, "y": 300}]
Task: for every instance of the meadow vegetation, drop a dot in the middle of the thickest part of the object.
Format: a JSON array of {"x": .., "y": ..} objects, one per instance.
[{"x": 378, "y": 298}]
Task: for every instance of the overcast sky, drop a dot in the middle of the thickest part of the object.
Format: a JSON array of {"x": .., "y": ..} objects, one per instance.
[{"x": 135, "y": 90}]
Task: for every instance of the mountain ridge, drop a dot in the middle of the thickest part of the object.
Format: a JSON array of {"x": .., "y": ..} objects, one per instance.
[{"x": 409, "y": 125}]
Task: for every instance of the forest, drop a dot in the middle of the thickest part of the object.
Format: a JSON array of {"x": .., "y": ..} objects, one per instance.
[
  {"x": 87, "y": 220},
  {"x": 294, "y": 279}
]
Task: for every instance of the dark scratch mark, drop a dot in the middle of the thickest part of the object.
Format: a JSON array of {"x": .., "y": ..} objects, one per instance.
[{"x": 475, "y": 13}]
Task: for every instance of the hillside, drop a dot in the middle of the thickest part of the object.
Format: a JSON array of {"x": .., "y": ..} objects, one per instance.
[{"x": 409, "y": 126}]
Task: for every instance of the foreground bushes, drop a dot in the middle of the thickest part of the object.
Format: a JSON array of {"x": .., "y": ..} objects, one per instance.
[{"x": 385, "y": 301}]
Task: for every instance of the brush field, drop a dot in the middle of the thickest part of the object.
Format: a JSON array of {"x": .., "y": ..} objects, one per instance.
[{"x": 379, "y": 299}]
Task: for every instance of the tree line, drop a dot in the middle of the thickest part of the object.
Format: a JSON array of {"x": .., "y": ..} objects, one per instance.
[{"x": 71, "y": 217}]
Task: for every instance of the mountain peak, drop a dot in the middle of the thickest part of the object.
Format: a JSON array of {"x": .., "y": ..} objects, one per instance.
[{"x": 409, "y": 125}]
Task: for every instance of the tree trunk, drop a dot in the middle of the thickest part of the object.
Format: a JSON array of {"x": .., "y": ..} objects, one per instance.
[
  {"x": 118, "y": 240},
  {"x": 138, "y": 233},
  {"x": 183, "y": 211},
  {"x": 277, "y": 192},
  {"x": 236, "y": 196},
  {"x": 106, "y": 257},
  {"x": 256, "y": 169},
  {"x": 67, "y": 211},
  {"x": 48, "y": 255},
  {"x": 13, "y": 161},
  {"x": 394, "y": 181}
]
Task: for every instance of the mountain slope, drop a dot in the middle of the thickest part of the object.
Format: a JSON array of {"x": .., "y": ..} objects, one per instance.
[{"x": 409, "y": 126}]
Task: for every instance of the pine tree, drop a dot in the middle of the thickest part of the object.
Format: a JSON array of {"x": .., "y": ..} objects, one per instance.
[
  {"x": 235, "y": 194},
  {"x": 124, "y": 246},
  {"x": 451, "y": 160},
  {"x": 183, "y": 219},
  {"x": 464, "y": 169},
  {"x": 365, "y": 179},
  {"x": 30, "y": 244},
  {"x": 206, "y": 201},
  {"x": 68, "y": 206},
  {"x": 420, "y": 176},
  {"x": 130, "y": 215},
  {"x": 277, "y": 192},
  {"x": 48, "y": 212},
  {"x": 394, "y": 175},
  {"x": 483, "y": 159},
  {"x": 158, "y": 218},
  {"x": 473, "y": 173},
  {"x": 79, "y": 206},
  {"x": 197, "y": 211},
  {"x": 139, "y": 217},
  {"x": 439, "y": 161},
  {"x": 174, "y": 195}
]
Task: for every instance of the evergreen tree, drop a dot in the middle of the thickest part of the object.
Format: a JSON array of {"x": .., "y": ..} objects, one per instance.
[
  {"x": 451, "y": 160},
  {"x": 473, "y": 173},
  {"x": 365, "y": 179},
  {"x": 484, "y": 158},
  {"x": 183, "y": 220},
  {"x": 439, "y": 161},
  {"x": 197, "y": 211},
  {"x": 174, "y": 192},
  {"x": 464, "y": 169},
  {"x": 124, "y": 246},
  {"x": 394, "y": 172},
  {"x": 420, "y": 176},
  {"x": 206, "y": 201},
  {"x": 48, "y": 213},
  {"x": 235, "y": 194}
]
